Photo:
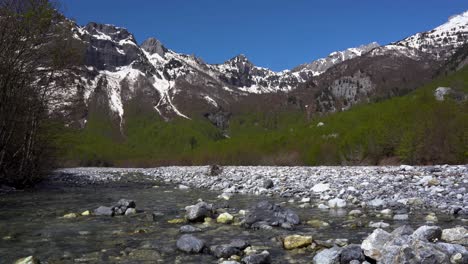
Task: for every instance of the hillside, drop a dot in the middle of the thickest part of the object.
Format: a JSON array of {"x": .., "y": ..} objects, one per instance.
[{"x": 415, "y": 128}]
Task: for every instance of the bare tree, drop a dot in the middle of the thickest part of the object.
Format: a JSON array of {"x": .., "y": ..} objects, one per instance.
[{"x": 36, "y": 48}]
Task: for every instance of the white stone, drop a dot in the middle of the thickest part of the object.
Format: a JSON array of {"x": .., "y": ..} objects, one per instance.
[
  {"x": 321, "y": 187},
  {"x": 375, "y": 243},
  {"x": 336, "y": 203}
]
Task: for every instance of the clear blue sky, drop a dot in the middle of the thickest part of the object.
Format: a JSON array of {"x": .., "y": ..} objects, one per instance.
[{"x": 271, "y": 33}]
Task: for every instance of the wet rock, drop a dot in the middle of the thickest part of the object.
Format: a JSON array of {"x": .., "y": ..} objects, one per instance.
[
  {"x": 144, "y": 255},
  {"x": 262, "y": 258},
  {"x": 431, "y": 218},
  {"x": 351, "y": 252},
  {"x": 267, "y": 213},
  {"x": 375, "y": 243},
  {"x": 126, "y": 203},
  {"x": 355, "y": 212},
  {"x": 328, "y": 256},
  {"x": 130, "y": 211},
  {"x": 336, "y": 203},
  {"x": 86, "y": 213},
  {"x": 183, "y": 187},
  {"x": 189, "y": 229},
  {"x": 70, "y": 215},
  {"x": 104, "y": 210},
  {"x": 224, "y": 251},
  {"x": 322, "y": 206},
  {"x": 239, "y": 243},
  {"x": 28, "y": 260},
  {"x": 190, "y": 244},
  {"x": 457, "y": 235},
  {"x": 198, "y": 212},
  {"x": 427, "y": 233},
  {"x": 296, "y": 241},
  {"x": 225, "y": 218},
  {"x": 268, "y": 184},
  {"x": 176, "y": 221}
]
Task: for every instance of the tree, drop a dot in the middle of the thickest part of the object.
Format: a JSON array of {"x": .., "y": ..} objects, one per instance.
[{"x": 36, "y": 49}]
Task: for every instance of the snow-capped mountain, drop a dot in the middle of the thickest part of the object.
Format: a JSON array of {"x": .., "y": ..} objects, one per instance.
[
  {"x": 321, "y": 65},
  {"x": 119, "y": 71}
]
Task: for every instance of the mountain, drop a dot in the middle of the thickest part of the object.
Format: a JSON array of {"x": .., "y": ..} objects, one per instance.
[{"x": 120, "y": 74}]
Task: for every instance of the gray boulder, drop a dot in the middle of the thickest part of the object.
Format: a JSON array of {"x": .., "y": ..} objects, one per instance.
[
  {"x": 328, "y": 256},
  {"x": 427, "y": 233},
  {"x": 104, "y": 210},
  {"x": 267, "y": 213},
  {"x": 262, "y": 258},
  {"x": 190, "y": 244},
  {"x": 268, "y": 184},
  {"x": 224, "y": 251},
  {"x": 374, "y": 244},
  {"x": 198, "y": 211},
  {"x": 458, "y": 235},
  {"x": 351, "y": 252}
]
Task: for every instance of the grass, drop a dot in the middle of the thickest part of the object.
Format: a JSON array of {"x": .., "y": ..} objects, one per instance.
[{"x": 414, "y": 129}]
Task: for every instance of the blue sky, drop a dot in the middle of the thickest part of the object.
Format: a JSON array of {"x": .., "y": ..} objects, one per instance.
[{"x": 278, "y": 34}]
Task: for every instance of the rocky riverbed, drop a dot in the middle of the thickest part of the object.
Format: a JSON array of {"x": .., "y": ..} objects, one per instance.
[
  {"x": 441, "y": 188},
  {"x": 240, "y": 215}
]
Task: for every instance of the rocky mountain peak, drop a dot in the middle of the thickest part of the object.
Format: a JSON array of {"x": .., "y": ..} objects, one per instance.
[
  {"x": 239, "y": 59},
  {"x": 153, "y": 46},
  {"x": 108, "y": 32}
]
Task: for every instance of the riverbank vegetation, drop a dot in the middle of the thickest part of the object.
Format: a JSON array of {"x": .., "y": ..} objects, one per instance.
[{"x": 414, "y": 129}]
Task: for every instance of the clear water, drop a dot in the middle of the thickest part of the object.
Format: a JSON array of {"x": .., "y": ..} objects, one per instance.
[{"x": 31, "y": 224}]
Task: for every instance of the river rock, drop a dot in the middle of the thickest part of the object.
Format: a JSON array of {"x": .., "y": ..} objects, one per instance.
[
  {"x": 350, "y": 253},
  {"x": 104, "y": 210},
  {"x": 317, "y": 223},
  {"x": 427, "y": 233},
  {"x": 296, "y": 241},
  {"x": 376, "y": 203},
  {"x": 374, "y": 243},
  {"x": 321, "y": 187},
  {"x": 268, "y": 184},
  {"x": 70, "y": 215},
  {"x": 262, "y": 258},
  {"x": 130, "y": 211},
  {"x": 328, "y": 256},
  {"x": 198, "y": 212},
  {"x": 224, "y": 251},
  {"x": 336, "y": 203},
  {"x": 404, "y": 230},
  {"x": 27, "y": 260},
  {"x": 267, "y": 213},
  {"x": 457, "y": 235},
  {"x": 225, "y": 218},
  {"x": 401, "y": 217},
  {"x": 190, "y": 244}
]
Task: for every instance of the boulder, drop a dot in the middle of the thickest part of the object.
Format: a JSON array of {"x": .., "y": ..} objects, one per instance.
[
  {"x": 350, "y": 253},
  {"x": 190, "y": 244},
  {"x": 268, "y": 184},
  {"x": 215, "y": 170},
  {"x": 328, "y": 256},
  {"x": 427, "y": 233},
  {"x": 225, "y": 218},
  {"x": 267, "y": 213},
  {"x": 224, "y": 251},
  {"x": 104, "y": 210},
  {"x": 130, "y": 211},
  {"x": 126, "y": 203},
  {"x": 401, "y": 217},
  {"x": 296, "y": 241},
  {"x": 375, "y": 243},
  {"x": 404, "y": 230},
  {"x": 262, "y": 258},
  {"x": 457, "y": 235},
  {"x": 376, "y": 203},
  {"x": 198, "y": 212}
]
